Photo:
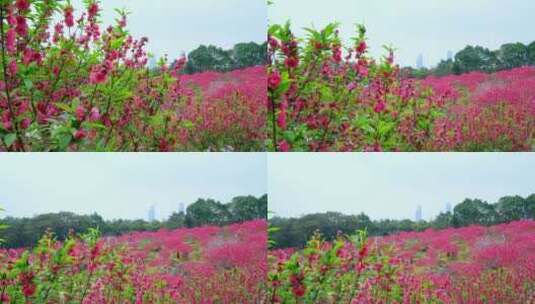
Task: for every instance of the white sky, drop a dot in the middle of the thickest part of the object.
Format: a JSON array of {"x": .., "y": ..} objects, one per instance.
[
  {"x": 430, "y": 27},
  {"x": 124, "y": 185},
  {"x": 387, "y": 185},
  {"x": 176, "y": 26}
]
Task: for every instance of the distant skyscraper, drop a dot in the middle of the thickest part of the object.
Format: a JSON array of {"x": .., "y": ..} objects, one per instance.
[
  {"x": 420, "y": 61},
  {"x": 182, "y": 208},
  {"x": 418, "y": 216},
  {"x": 152, "y": 213},
  {"x": 448, "y": 208},
  {"x": 450, "y": 55}
]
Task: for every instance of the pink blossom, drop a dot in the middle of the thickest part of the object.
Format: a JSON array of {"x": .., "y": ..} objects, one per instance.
[{"x": 94, "y": 115}]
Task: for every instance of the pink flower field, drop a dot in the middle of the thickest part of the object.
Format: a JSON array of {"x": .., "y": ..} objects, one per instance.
[
  {"x": 324, "y": 99},
  {"x": 69, "y": 82},
  {"x": 472, "y": 265},
  {"x": 486, "y": 110},
  {"x": 200, "y": 265}
]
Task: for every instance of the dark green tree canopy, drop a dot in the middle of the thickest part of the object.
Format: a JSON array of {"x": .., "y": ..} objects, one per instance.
[
  {"x": 25, "y": 232},
  {"x": 293, "y": 232},
  {"x": 481, "y": 59},
  {"x": 212, "y": 58}
]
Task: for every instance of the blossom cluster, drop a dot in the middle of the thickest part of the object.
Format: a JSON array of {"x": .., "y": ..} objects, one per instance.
[
  {"x": 324, "y": 99},
  {"x": 70, "y": 84},
  {"x": 199, "y": 265},
  {"x": 466, "y": 265}
]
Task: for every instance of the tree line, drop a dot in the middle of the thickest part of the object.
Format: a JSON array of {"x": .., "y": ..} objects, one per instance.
[
  {"x": 25, "y": 232},
  {"x": 481, "y": 59},
  {"x": 213, "y": 58},
  {"x": 294, "y": 232}
]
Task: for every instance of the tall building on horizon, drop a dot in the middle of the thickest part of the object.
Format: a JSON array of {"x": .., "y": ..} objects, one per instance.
[
  {"x": 420, "y": 61},
  {"x": 450, "y": 55},
  {"x": 152, "y": 213},
  {"x": 418, "y": 215},
  {"x": 182, "y": 208},
  {"x": 448, "y": 208}
]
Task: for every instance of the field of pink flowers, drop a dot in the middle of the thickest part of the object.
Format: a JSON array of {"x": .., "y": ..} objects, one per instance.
[
  {"x": 473, "y": 265},
  {"x": 486, "y": 111},
  {"x": 324, "y": 99},
  {"x": 200, "y": 265},
  {"x": 227, "y": 110},
  {"x": 68, "y": 82}
]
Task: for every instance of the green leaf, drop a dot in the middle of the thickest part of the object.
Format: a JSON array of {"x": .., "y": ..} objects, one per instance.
[
  {"x": 63, "y": 141},
  {"x": 28, "y": 84},
  {"x": 64, "y": 107},
  {"x": 94, "y": 125},
  {"x": 384, "y": 128},
  {"x": 9, "y": 139},
  {"x": 362, "y": 122}
]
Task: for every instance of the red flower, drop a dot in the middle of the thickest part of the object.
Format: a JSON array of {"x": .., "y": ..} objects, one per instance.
[
  {"x": 13, "y": 68},
  {"x": 11, "y": 43},
  {"x": 380, "y": 107},
  {"x": 69, "y": 18},
  {"x": 25, "y": 123},
  {"x": 299, "y": 291},
  {"x": 99, "y": 74},
  {"x": 361, "y": 48},
  {"x": 337, "y": 54},
  {"x": 291, "y": 62},
  {"x": 22, "y": 27},
  {"x": 80, "y": 113},
  {"x": 92, "y": 11},
  {"x": 274, "y": 80},
  {"x": 164, "y": 146},
  {"x": 284, "y": 146},
  {"x": 94, "y": 115},
  {"x": 22, "y": 5},
  {"x": 28, "y": 287},
  {"x": 80, "y": 134},
  {"x": 281, "y": 120}
]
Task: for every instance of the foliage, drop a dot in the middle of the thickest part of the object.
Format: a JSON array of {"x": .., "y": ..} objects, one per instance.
[
  {"x": 294, "y": 232},
  {"x": 481, "y": 59},
  {"x": 211, "y": 58},
  {"x": 201, "y": 265},
  {"x": 325, "y": 98},
  {"x": 25, "y": 232},
  {"x": 320, "y": 101},
  {"x": 69, "y": 84},
  {"x": 2, "y": 227},
  {"x": 463, "y": 265}
]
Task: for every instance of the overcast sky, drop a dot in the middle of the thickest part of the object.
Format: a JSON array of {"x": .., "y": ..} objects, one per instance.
[
  {"x": 175, "y": 26},
  {"x": 430, "y": 27},
  {"x": 120, "y": 185},
  {"x": 387, "y": 185}
]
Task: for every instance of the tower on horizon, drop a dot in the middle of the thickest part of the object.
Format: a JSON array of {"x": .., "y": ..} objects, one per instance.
[
  {"x": 182, "y": 208},
  {"x": 420, "y": 61},
  {"x": 418, "y": 215},
  {"x": 152, "y": 213}
]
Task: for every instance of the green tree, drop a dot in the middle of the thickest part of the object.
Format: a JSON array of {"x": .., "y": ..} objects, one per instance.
[
  {"x": 444, "y": 67},
  {"x": 513, "y": 55},
  {"x": 475, "y": 211},
  {"x": 176, "y": 220},
  {"x": 443, "y": 220},
  {"x": 531, "y": 53},
  {"x": 206, "y": 58},
  {"x": 249, "y": 54},
  {"x": 207, "y": 212},
  {"x": 246, "y": 208},
  {"x": 476, "y": 59},
  {"x": 513, "y": 208}
]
